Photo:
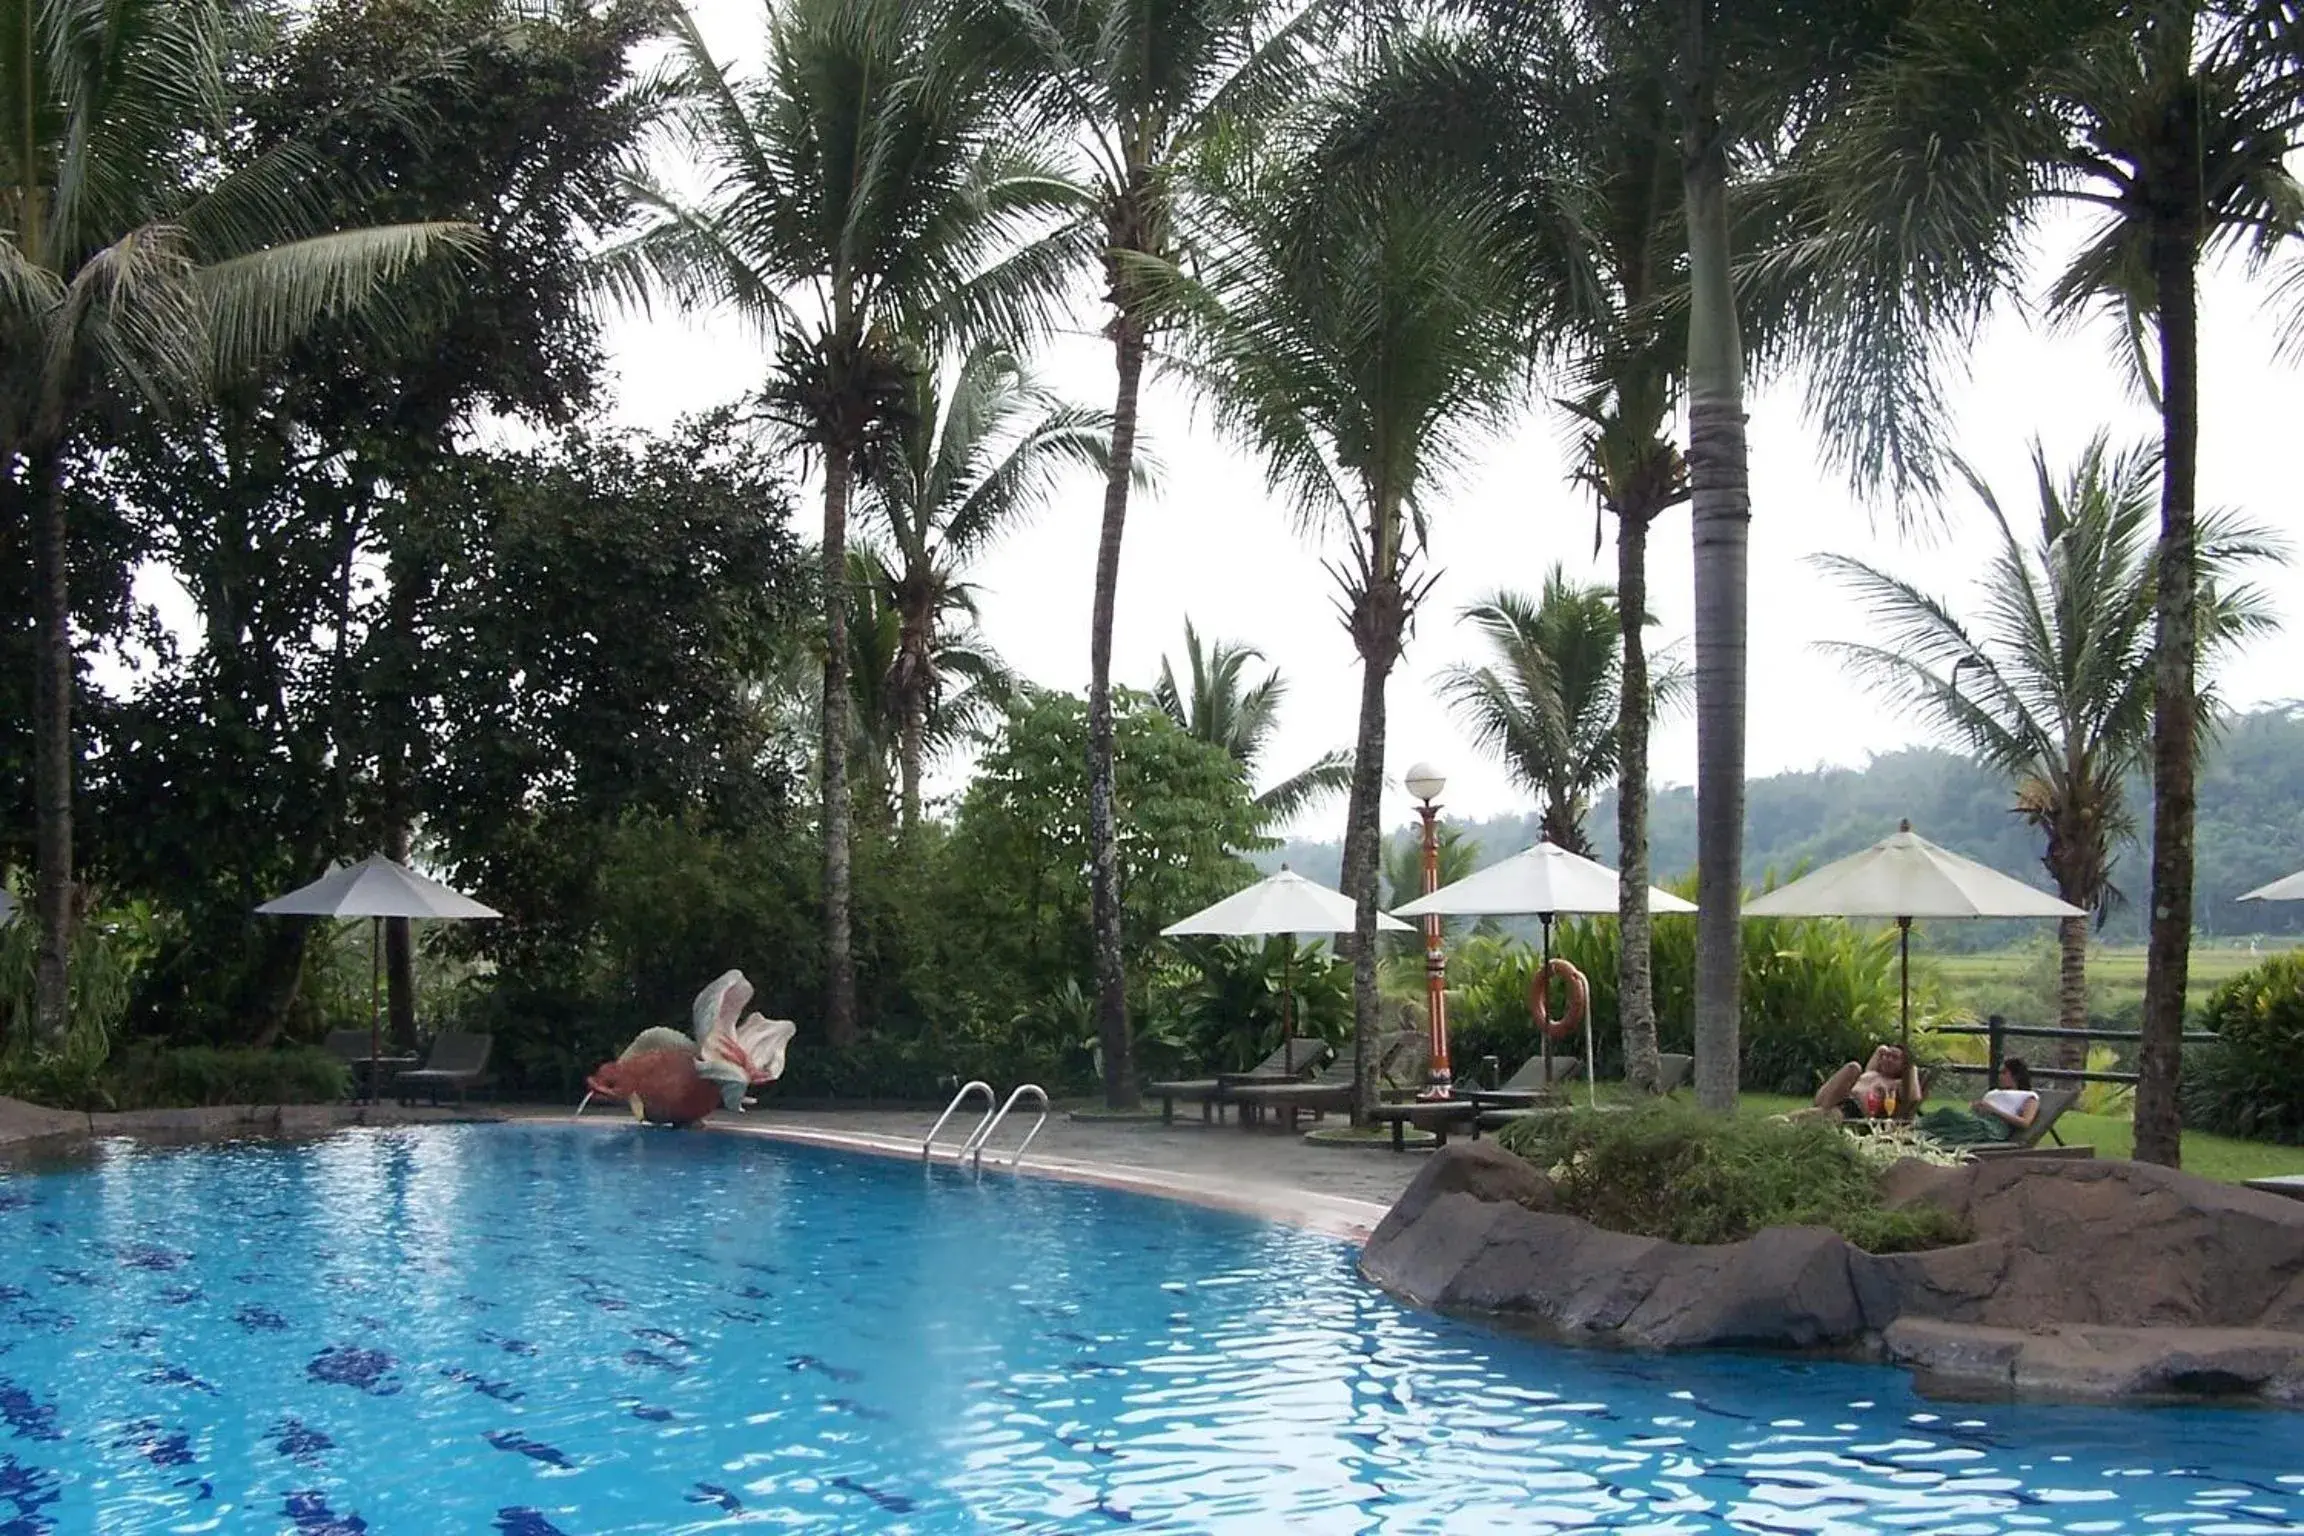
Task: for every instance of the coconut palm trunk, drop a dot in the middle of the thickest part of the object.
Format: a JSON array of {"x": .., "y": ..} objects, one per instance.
[
  {"x": 839, "y": 961},
  {"x": 1720, "y": 505},
  {"x": 1635, "y": 990},
  {"x": 52, "y": 738},
  {"x": 1128, "y": 345},
  {"x": 1377, "y": 625},
  {"x": 2176, "y": 240},
  {"x": 2072, "y": 985}
]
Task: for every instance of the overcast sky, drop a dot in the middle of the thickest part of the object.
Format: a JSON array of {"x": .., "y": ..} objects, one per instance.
[{"x": 1212, "y": 545}]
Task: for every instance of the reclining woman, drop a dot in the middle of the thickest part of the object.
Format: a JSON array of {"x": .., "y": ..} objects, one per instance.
[
  {"x": 1886, "y": 1087},
  {"x": 2000, "y": 1115}
]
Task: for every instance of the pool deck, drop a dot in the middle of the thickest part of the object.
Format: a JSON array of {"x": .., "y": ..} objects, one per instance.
[{"x": 1264, "y": 1172}]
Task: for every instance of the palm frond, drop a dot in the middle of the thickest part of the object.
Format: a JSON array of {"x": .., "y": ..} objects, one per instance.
[{"x": 254, "y": 305}]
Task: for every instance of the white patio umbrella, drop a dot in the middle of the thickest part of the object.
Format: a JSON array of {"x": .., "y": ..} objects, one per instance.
[
  {"x": 1287, "y": 904},
  {"x": 1905, "y": 876},
  {"x": 1544, "y": 881},
  {"x": 2288, "y": 889},
  {"x": 375, "y": 888}
]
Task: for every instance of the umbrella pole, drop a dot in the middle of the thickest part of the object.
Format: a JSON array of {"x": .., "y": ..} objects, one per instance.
[
  {"x": 1288, "y": 989},
  {"x": 375, "y": 983},
  {"x": 1904, "y": 981},
  {"x": 1544, "y": 980}
]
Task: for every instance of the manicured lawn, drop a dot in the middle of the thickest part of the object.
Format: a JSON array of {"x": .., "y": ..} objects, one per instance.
[{"x": 2212, "y": 1157}]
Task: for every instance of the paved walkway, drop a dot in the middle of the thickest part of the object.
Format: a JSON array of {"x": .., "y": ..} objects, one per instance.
[{"x": 1343, "y": 1189}]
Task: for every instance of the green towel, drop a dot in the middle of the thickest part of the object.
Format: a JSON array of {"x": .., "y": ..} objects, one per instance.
[{"x": 1956, "y": 1127}]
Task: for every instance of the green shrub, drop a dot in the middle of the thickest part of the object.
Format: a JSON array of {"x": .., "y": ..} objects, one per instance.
[
  {"x": 198, "y": 1076},
  {"x": 2246, "y": 1084},
  {"x": 1816, "y": 992},
  {"x": 1669, "y": 1172}
]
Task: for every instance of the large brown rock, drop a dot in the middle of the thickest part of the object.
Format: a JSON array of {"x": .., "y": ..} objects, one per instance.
[
  {"x": 21, "y": 1122},
  {"x": 2085, "y": 1279}
]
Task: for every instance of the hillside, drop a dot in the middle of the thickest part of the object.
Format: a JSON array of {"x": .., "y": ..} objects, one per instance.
[{"x": 2251, "y": 827}]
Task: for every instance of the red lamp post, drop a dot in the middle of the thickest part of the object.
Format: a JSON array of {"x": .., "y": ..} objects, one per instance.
[{"x": 1425, "y": 783}]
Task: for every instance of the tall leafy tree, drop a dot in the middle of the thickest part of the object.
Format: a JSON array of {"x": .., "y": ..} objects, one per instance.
[
  {"x": 1359, "y": 329},
  {"x": 1548, "y": 704},
  {"x": 974, "y": 457},
  {"x": 142, "y": 259},
  {"x": 1145, "y": 86},
  {"x": 868, "y": 195},
  {"x": 2174, "y": 121},
  {"x": 2053, "y": 685},
  {"x": 1220, "y": 706}
]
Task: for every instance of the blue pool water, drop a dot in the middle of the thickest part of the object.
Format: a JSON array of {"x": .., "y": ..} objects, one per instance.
[{"x": 529, "y": 1330}]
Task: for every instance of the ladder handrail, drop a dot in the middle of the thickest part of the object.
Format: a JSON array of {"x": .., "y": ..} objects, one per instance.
[
  {"x": 985, "y": 1131},
  {"x": 928, "y": 1144}
]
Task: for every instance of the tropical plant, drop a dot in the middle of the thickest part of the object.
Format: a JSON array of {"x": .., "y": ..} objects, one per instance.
[
  {"x": 973, "y": 458},
  {"x": 146, "y": 253},
  {"x": 1144, "y": 86},
  {"x": 920, "y": 684},
  {"x": 1220, "y": 707},
  {"x": 1358, "y": 326},
  {"x": 2058, "y": 692},
  {"x": 2175, "y": 121},
  {"x": 867, "y": 197},
  {"x": 2245, "y": 1083},
  {"x": 1549, "y": 705}
]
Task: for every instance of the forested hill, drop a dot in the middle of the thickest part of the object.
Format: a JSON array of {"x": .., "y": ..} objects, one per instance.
[{"x": 2251, "y": 827}]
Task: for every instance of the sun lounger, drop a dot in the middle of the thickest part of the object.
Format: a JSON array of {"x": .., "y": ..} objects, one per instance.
[
  {"x": 1400, "y": 1068},
  {"x": 2027, "y": 1143},
  {"x": 1290, "y": 1060},
  {"x": 458, "y": 1061}
]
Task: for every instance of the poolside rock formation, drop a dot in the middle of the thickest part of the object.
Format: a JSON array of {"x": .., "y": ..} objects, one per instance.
[{"x": 2084, "y": 1278}]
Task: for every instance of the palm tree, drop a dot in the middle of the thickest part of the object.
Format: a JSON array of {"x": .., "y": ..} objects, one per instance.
[
  {"x": 968, "y": 464},
  {"x": 896, "y": 729},
  {"x": 145, "y": 254},
  {"x": 1144, "y": 86},
  {"x": 1359, "y": 328},
  {"x": 1223, "y": 709},
  {"x": 867, "y": 194},
  {"x": 1549, "y": 706},
  {"x": 2174, "y": 119},
  {"x": 2060, "y": 692}
]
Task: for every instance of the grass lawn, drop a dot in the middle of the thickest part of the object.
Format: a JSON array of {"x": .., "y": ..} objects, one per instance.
[
  {"x": 2115, "y": 976},
  {"x": 2212, "y": 1157}
]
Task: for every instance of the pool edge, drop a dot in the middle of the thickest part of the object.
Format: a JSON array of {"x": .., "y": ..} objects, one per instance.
[{"x": 1337, "y": 1216}]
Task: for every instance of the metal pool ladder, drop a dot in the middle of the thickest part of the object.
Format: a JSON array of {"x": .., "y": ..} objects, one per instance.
[{"x": 972, "y": 1150}]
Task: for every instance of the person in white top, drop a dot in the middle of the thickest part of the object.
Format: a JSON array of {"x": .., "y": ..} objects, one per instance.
[{"x": 2002, "y": 1114}]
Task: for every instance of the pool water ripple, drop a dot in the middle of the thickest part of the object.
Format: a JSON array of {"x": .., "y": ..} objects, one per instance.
[{"x": 532, "y": 1330}]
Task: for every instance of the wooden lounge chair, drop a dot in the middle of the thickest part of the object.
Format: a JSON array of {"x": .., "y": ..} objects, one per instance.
[
  {"x": 2027, "y": 1143},
  {"x": 1289, "y": 1059},
  {"x": 458, "y": 1061},
  {"x": 1400, "y": 1068}
]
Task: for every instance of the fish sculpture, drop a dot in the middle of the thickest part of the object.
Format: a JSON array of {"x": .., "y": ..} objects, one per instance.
[{"x": 667, "y": 1078}]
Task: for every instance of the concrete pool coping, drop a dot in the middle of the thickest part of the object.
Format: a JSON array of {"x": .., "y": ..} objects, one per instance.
[{"x": 1332, "y": 1215}]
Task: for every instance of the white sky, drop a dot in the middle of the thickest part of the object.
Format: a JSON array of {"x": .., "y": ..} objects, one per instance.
[{"x": 1209, "y": 543}]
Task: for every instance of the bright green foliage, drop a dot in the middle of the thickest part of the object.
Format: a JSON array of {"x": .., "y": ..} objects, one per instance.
[
  {"x": 1231, "y": 1004},
  {"x": 1668, "y": 1172},
  {"x": 1184, "y": 816},
  {"x": 1816, "y": 992},
  {"x": 2248, "y": 1083}
]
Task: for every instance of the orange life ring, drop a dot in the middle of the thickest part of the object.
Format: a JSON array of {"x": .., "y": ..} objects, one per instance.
[{"x": 1540, "y": 999}]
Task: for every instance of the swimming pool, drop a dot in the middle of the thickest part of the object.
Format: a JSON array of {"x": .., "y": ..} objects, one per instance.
[{"x": 537, "y": 1329}]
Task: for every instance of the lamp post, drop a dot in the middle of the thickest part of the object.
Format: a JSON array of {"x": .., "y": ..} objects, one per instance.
[{"x": 1425, "y": 783}]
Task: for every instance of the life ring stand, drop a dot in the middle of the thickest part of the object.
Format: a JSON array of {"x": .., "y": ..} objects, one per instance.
[{"x": 1540, "y": 999}]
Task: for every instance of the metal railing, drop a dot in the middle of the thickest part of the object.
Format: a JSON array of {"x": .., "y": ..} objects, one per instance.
[
  {"x": 985, "y": 1130},
  {"x": 928, "y": 1143},
  {"x": 1997, "y": 1030}
]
